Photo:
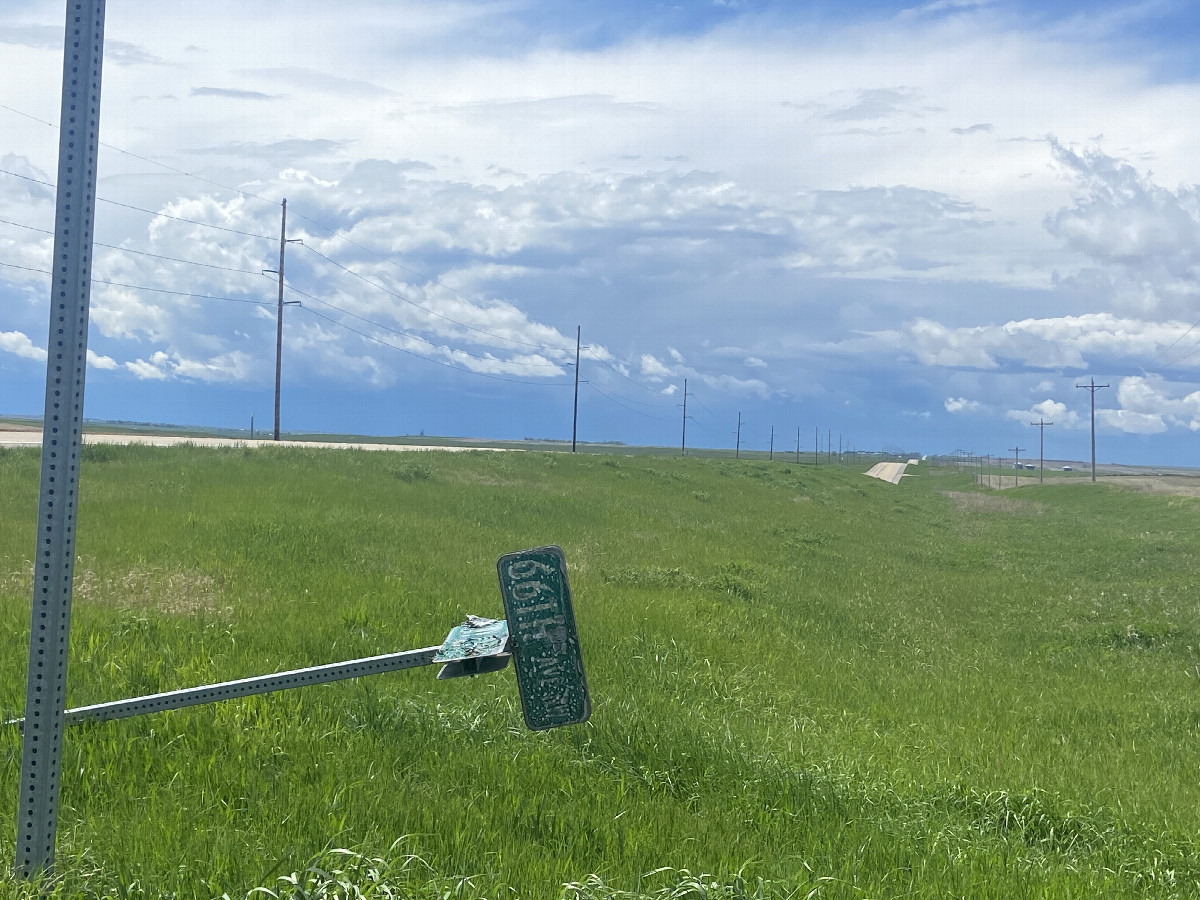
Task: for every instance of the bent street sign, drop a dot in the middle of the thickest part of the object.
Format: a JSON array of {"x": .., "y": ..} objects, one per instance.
[{"x": 541, "y": 622}]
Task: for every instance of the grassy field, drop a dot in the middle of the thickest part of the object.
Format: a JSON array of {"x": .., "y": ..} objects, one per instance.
[{"x": 806, "y": 683}]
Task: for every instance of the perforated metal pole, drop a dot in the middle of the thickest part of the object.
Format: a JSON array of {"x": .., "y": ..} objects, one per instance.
[{"x": 66, "y": 362}]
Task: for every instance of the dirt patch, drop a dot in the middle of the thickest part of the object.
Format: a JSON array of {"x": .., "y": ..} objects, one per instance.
[
  {"x": 1170, "y": 485},
  {"x": 173, "y": 591},
  {"x": 992, "y": 503}
]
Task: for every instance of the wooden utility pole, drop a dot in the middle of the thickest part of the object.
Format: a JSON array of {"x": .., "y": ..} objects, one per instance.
[
  {"x": 279, "y": 318},
  {"x": 817, "y": 446},
  {"x": 1091, "y": 388},
  {"x": 771, "y": 454},
  {"x": 575, "y": 415},
  {"x": 683, "y": 442},
  {"x": 1017, "y": 464},
  {"x": 797, "y": 445},
  {"x": 283, "y": 242},
  {"x": 737, "y": 450},
  {"x": 1039, "y": 424}
]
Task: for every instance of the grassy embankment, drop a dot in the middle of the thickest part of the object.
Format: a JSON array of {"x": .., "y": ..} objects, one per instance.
[{"x": 805, "y": 682}]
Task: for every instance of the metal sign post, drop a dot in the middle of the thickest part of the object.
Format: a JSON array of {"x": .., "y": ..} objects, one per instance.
[
  {"x": 66, "y": 363},
  {"x": 542, "y": 641}
]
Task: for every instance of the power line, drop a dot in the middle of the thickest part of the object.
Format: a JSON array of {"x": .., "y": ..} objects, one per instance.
[
  {"x": 426, "y": 309},
  {"x": 617, "y": 400},
  {"x": 142, "y": 287},
  {"x": 436, "y": 362},
  {"x": 190, "y": 262},
  {"x": 151, "y": 212},
  {"x": 153, "y": 162},
  {"x": 408, "y": 334}
]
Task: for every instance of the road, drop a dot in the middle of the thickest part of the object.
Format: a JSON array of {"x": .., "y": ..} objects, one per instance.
[{"x": 33, "y": 438}]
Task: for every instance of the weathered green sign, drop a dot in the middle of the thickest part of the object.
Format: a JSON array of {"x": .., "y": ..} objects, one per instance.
[{"x": 545, "y": 644}]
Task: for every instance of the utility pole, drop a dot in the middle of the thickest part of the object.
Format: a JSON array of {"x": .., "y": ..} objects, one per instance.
[
  {"x": 797, "y": 445},
  {"x": 279, "y": 318},
  {"x": 1017, "y": 464},
  {"x": 737, "y": 450},
  {"x": 1041, "y": 449},
  {"x": 817, "y": 446},
  {"x": 683, "y": 443},
  {"x": 771, "y": 454},
  {"x": 283, "y": 242},
  {"x": 829, "y": 445},
  {"x": 575, "y": 416},
  {"x": 1091, "y": 388}
]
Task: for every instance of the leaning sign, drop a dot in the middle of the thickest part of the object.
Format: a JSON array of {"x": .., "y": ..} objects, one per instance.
[{"x": 537, "y": 605}]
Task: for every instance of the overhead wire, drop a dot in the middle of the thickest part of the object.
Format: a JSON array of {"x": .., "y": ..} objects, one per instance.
[
  {"x": 415, "y": 337},
  {"x": 617, "y": 400},
  {"x": 426, "y": 309},
  {"x": 150, "y": 212},
  {"x": 436, "y": 362},
  {"x": 142, "y": 287}
]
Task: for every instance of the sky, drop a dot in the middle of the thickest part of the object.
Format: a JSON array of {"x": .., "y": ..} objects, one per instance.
[{"x": 904, "y": 226}]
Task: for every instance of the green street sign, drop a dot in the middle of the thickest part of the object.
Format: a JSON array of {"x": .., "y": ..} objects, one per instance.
[{"x": 545, "y": 644}]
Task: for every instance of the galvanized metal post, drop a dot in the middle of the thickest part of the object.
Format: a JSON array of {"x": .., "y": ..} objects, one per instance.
[{"x": 62, "y": 435}]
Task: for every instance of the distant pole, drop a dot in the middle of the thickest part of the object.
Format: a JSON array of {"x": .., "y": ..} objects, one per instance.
[
  {"x": 737, "y": 450},
  {"x": 839, "y": 449},
  {"x": 1091, "y": 388},
  {"x": 1017, "y": 464},
  {"x": 797, "y": 445},
  {"x": 1041, "y": 426},
  {"x": 829, "y": 445},
  {"x": 683, "y": 443},
  {"x": 575, "y": 416},
  {"x": 816, "y": 446},
  {"x": 771, "y": 455},
  {"x": 279, "y": 318},
  {"x": 62, "y": 436},
  {"x": 251, "y": 426}
]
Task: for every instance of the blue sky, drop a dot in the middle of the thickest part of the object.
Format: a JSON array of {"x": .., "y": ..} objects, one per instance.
[{"x": 915, "y": 226}]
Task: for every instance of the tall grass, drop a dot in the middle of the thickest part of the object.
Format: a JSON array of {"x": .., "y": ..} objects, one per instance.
[{"x": 805, "y": 683}]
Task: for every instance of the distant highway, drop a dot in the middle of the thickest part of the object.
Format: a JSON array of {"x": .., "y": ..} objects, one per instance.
[{"x": 33, "y": 438}]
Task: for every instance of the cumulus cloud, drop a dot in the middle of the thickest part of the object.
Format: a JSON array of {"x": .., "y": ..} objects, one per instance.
[
  {"x": 96, "y": 361},
  {"x": 1052, "y": 412},
  {"x": 1066, "y": 342},
  {"x": 19, "y": 344},
  {"x": 1141, "y": 241},
  {"x": 962, "y": 404},
  {"x": 652, "y": 368}
]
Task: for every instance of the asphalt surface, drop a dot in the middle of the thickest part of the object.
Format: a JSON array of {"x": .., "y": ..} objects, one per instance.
[{"x": 33, "y": 438}]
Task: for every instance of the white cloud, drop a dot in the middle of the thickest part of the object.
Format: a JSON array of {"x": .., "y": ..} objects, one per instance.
[
  {"x": 96, "y": 361},
  {"x": 21, "y": 345},
  {"x": 962, "y": 404},
  {"x": 152, "y": 370},
  {"x": 652, "y": 368},
  {"x": 754, "y": 362},
  {"x": 1052, "y": 412}
]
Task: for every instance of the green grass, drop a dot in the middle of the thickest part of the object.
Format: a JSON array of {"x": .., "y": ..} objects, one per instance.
[{"x": 806, "y": 683}]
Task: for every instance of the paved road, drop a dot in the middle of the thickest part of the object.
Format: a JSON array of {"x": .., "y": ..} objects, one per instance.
[{"x": 26, "y": 438}]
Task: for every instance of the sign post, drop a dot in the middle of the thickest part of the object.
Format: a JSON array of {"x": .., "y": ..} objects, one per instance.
[{"x": 62, "y": 435}]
